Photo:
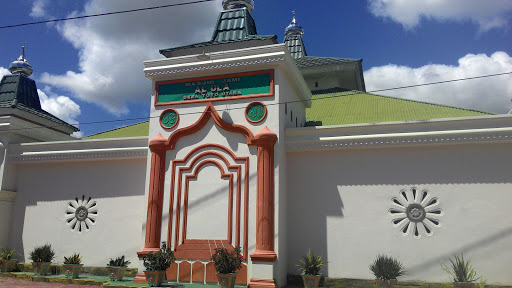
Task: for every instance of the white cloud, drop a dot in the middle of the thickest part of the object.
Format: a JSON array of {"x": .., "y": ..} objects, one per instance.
[
  {"x": 38, "y": 9},
  {"x": 493, "y": 94},
  {"x": 487, "y": 14},
  {"x": 112, "y": 48},
  {"x": 60, "y": 106},
  {"x": 3, "y": 72}
]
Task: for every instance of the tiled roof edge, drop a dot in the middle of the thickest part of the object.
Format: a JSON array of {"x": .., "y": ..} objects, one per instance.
[
  {"x": 402, "y": 99},
  {"x": 118, "y": 128}
]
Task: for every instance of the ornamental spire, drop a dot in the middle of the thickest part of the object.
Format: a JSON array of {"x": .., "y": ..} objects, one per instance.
[
  {"x": 294, "y": 28},
  {"x": 235, "y": 4},
  {"x": 20, "y": 65}
]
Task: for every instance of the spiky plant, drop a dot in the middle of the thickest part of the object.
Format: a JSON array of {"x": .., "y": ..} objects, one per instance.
[
  {"x": 118, "y": 262},
  {"x": 7, "y": 254},
  {"x": 387, "y": 268},
  {"x": 310, "y": 264},
  {"x": 74, "y": 259},
  {"x": 460, "y": 270},
  {"x": 43, "y": 253}
]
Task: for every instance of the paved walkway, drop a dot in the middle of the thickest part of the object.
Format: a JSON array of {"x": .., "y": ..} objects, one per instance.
[{"x": 18, "y": 283}]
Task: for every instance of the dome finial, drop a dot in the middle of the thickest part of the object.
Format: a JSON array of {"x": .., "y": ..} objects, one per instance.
[
  {"x": 294, "y": 28},
  {"x": 20, "y": 65},
  {"x": 235, "y": 4}
]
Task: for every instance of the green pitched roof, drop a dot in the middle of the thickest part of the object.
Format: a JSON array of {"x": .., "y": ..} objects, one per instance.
[
  {"x": 20, "y": 92},
  {"x": 296, "y": 46},
  {"x": 353, "y": 107},
  {"x": 342, "y": 108},
  {"x": 135, "y": 130}
]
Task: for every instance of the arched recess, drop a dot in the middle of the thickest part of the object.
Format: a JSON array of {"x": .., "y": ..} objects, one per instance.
[{"x": 183, "y": 170}]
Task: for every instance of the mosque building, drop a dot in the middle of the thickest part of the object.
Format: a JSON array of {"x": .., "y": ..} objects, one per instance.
[{"x": 256, "y": 144}]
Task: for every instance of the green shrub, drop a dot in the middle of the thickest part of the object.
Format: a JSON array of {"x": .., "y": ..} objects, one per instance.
[
  {"x": 159, "y": 261},
  {"x": 74, "y": 259},
  {"x": 227, "y": 262},
  {"x": 43, "y": 253},
  {"x": 387, "y": 268},
  {"x": 118, "y": 262},
  {"x": 7, "y": 254},
  {"x": 310, "y": 264},
  {"x": 460, "y": 270}
]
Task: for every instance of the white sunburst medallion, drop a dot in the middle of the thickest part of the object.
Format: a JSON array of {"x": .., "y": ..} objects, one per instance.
[
  {"x": 81, "y": 214},
  {"x": 416, "y": 212}
]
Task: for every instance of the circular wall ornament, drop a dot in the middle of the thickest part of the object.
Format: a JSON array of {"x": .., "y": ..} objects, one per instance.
[
  {"x": 416, "y": 212},
  {"x": 81, "y": 214},
  {"x": 256, "y": 112},
  {"x": 169, "y": 118}
]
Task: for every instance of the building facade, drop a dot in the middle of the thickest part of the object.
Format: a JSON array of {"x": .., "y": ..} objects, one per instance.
[{"x": 250, "y": 145}]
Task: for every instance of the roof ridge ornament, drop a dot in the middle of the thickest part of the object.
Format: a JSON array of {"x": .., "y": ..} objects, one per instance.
[
  {"x": 294, "y": 28},
  {"x": 236, "y": 4},
  {"x": 21, "y": 65}
]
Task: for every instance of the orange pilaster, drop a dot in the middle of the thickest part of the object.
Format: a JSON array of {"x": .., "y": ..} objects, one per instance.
[
  {"x": 265, "y": 140},
  {"x": 155, "y": 200}
]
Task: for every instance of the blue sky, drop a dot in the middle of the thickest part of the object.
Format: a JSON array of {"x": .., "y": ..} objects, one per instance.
[{"x": 91, "y": 70}]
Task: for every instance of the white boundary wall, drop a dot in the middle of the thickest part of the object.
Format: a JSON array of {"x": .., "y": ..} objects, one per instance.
[{"x": 340, "y": 190}]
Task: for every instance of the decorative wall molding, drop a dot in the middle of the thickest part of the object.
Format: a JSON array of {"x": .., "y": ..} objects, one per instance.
[
  {"x": 108, "y": 149},
  {"x": 81, "y": 214},
  {"x": 205, "y": 67},
  {"x": 469, "y": 136},
  {"x": 415, "y": 212}
]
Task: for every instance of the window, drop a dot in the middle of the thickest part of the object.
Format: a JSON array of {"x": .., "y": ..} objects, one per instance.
[{"x": 316, "y": 84}]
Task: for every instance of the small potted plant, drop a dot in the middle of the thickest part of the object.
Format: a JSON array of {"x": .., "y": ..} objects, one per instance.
[
  {"x": 72, "y": 265},
  {"x": 386, "y": 269},
  {"x": 42, "y": 257},
  {"x": 461, "y": 271},
  {"x": 156, "y": 264},
  {"x": 116, "y": 268},
  {"x": 226, "y": 264},
  {"x": 309, "y": 268},
  {"x": 7, "y": 262}
]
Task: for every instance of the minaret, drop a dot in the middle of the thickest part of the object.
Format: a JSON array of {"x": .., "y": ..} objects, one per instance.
[
  {"x": 293, "y": 39},
  {"x": 237, "y": 4},
  {"x": 20, "y": 65},
  {"x": 235, "y": 23}
]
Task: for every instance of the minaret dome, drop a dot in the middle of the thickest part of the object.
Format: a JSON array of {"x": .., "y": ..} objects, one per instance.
[
  {"x": 294, "y": 28},
  {"x": 235, "y": 4},
  {"x": 20, "y": 65}
]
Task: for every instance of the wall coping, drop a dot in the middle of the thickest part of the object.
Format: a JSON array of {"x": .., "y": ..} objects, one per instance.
[
  {"x": 485, "y": 129},
  {"x": 80, "y": 150}
]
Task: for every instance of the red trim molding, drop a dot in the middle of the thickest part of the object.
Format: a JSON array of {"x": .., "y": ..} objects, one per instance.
[
  {"x": 262, "y": 283},
  {"x": 262, "y": 118},
  {"x": 177, "y": 119},
  {"x": 209, "y": 113},
  {"x": 272, "y": 89}
]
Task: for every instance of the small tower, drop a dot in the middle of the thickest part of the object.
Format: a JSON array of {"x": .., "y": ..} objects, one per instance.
[
  {"x": 236, "y": 4},
  {"x": 20, "y": 65},
  {"x": 293, "y": 39},
  {"x": 19, "y": 97}
]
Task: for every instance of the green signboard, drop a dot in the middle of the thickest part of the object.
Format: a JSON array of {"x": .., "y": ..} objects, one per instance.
[{"x": 224, "y": 87}]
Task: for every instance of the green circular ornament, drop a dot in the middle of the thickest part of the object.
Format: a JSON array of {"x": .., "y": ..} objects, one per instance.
[
  {"x": 169, "y": 118},
  {"x": 256, "y": 112}
]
